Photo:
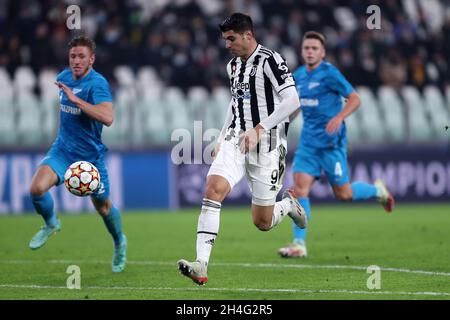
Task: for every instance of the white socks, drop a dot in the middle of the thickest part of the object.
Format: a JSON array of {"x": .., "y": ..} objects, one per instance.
[
  {"x": 280, "y": 210},
  {"x": 207, "y": 228},
  {"x": 209, "y": 220}
]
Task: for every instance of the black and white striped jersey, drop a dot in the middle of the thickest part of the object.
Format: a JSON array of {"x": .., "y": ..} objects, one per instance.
[{"x": 255, "y": 92}]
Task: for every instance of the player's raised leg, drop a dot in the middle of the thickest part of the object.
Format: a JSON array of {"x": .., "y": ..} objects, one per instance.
[
  {"x": 266, "y": 217},
  {"x": 365, "y": 191},
  {"x": 384, "y": 196},
  {"x": 217, "y": 188},
  {"x": 334, "y": 163},
  {"x": 265, "y": 173},
  {"x": 302, "y": 186},
  {"x": 42, "y": 200}
]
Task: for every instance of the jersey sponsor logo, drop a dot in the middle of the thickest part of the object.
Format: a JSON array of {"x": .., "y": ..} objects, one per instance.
[
  {"x": 283, "y": 67},
  {"x": 241, "y": 90},
  {"x": 72, "y": 110},
  {"x": 241, "y": 86},
  {"x": 313, "y": 85},
  {"x": 309, "y": 102},
  {"x": 241, "y": 94}
]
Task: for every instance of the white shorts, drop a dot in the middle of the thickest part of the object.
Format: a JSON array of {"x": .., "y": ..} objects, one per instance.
[{"x": 264, "y": 171}]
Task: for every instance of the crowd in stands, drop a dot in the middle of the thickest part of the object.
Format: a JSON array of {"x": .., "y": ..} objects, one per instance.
[{"x": 180, "y": 38}]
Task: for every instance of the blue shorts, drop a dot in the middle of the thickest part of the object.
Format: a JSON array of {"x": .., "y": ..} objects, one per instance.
[
  {"x": 313, "y": 160},
  {"x": 59, "y": 161}
]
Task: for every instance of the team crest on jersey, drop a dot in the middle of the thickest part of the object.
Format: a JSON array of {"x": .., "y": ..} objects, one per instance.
[
  {"x": 253, "y": 71},
  {"x": 313, "y": 85}
]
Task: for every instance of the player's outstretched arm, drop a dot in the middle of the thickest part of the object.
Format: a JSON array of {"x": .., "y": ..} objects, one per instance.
[
  {"x": 351, "y": 106},
  {"x": 102, "y": 112}
]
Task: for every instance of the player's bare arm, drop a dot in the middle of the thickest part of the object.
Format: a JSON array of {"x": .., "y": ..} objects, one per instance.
[
  {"x": 351, "y": 106},
  {"x": 102, "y": 112}
]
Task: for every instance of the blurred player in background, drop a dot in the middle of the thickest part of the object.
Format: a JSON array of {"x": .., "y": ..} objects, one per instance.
[
  {"x": 323, "y": 142},
  {"x": 85, "y": 106},
  {"x": 252, "y": 142}
]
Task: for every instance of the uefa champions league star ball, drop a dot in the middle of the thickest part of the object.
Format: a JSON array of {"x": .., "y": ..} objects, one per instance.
[{"x": 82, "y": 178}]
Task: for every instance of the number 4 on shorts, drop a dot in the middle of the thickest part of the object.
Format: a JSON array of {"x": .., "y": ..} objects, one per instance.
[{"x": 338, "y": 169}]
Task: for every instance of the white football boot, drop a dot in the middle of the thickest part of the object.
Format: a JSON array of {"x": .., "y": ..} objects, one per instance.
[{"x": 196, "y": 270}]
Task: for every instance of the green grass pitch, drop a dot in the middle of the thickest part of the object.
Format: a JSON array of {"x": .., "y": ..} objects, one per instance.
[{"x": 411, "y": 246}]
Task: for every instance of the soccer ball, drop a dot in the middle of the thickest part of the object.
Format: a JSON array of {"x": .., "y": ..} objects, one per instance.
[{"x": 82, "y": 178}]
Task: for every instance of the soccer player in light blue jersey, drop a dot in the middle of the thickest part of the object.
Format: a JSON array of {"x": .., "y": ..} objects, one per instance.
[
  {"x": 85, "y": 106},
  {"x": 323, "y": 143}
]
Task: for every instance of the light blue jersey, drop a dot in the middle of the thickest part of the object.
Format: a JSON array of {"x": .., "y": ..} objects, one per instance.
[
  {"x": 80, "y": 135},
  {"x": 79, "y": 138},
  {"x": 320, "y": 92}
]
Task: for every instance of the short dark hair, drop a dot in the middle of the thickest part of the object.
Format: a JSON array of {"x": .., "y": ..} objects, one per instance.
[
  {"x": 82, "y": 41},
  {"x": 314, "y": 35},
  {"x": 238, "y": 22}
]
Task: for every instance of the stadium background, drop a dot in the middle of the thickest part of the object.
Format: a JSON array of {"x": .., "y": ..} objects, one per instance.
[{"x": 165, "y": 61}]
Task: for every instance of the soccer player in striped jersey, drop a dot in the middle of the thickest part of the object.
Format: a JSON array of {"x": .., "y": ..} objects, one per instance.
[
  {"x": 252, "y": 142},
  {"x": 85, "y": 106},
  {"x": 323, "y": 142}
]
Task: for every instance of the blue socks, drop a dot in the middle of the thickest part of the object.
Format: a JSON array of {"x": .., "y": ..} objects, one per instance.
[
  {"x": 363, "y": 191},
  {"x": 113, "y": 223},
  {"x": 300, "y": 234},
  {"x": 44, "y": 206},
  {"x": 360, "y": 190}
]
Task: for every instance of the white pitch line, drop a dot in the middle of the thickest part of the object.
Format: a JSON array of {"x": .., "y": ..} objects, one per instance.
[
  {"x": 424, "y": 293},
  {"x": 239, "y": 264}
]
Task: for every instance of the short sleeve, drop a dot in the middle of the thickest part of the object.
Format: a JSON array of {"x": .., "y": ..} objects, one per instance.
[
  {"x": 337, "y": 82},
  {"x": 276, "y": 69},
  {"x": 101, "y": 92}
]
